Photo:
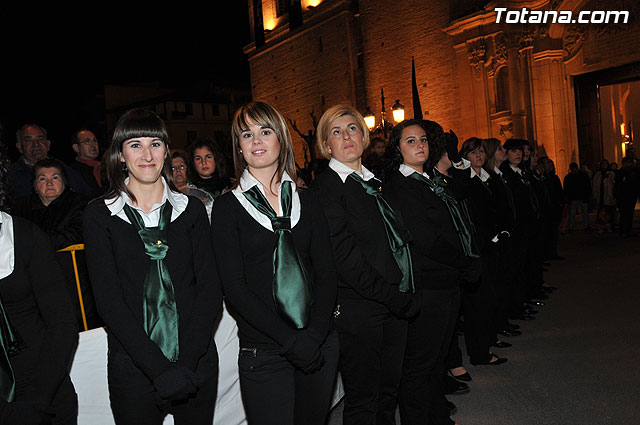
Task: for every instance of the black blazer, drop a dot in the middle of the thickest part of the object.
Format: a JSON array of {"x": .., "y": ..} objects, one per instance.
[
  {"x": 365, "y": 264},
  {"x": 244, "y": 252},
  {"x": 526, "y": 212},
  {"x": 39, "y": 308},
  {"x": 483, "y": 211},
  {"x": 437, "y": 253},
  {"x": 118, "y": 266}
]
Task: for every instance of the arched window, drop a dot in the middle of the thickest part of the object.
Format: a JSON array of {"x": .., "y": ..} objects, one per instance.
[{"x": 503, "y": 103}]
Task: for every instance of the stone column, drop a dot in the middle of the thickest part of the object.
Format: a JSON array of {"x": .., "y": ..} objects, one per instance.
[
  {"x": 476, "y": 58},
  {"x": 551, "y": 107},
  {"x": 516, "y": 88}
]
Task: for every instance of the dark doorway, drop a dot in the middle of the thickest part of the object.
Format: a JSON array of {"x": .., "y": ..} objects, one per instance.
[{"x": 601, "y": 99}]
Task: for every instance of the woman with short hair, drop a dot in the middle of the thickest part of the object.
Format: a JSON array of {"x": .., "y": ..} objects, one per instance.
[{"x": 375, "y": 276}]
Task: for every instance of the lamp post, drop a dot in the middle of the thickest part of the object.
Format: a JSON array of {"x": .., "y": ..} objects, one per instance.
[
  {"x": 398, "y": 111},
  {"x": 385, "y": 127}
]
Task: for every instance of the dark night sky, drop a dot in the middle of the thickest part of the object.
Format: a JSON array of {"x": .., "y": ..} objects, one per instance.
[{"x": 47, "y": 72}]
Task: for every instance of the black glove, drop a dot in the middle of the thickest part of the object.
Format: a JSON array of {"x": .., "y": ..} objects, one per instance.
[
  {"x": 452, "y": 147},
  {"x": 471, "y": 271},
  {"x": 403, "y": 306},
  {"x": 176, "y": 383},
  {"x": 303, "y": 352},
  {"x": 25, "y": 413}
]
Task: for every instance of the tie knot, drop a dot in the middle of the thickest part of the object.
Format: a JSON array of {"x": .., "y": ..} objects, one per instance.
[
  {"x": 155, "y": 243},
  {"x": 281, "y": 223}
]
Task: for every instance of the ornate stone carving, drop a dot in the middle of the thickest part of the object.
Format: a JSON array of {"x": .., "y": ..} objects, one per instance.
[
  {"x": 476, "y": 53},
  {"x": 499, "y": 56},
  {"x": 573, "y": 38},
  {"x": 506, "y": 130}
]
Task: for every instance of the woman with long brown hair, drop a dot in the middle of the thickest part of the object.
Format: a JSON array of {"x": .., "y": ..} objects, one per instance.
[{"x": 271, "y": 242}]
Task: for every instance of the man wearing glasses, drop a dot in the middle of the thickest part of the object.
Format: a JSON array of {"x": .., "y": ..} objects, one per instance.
[{"x": 85, "y": 145}]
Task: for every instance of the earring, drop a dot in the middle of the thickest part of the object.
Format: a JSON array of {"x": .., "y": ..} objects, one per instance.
[
  {"x": 240, "y": 150},
  {"x": 124, "y": 167},
  {"x": 329, "y": 150}
]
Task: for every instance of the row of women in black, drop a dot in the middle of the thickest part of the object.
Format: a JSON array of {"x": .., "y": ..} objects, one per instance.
[{"x": 279, "y": 253}]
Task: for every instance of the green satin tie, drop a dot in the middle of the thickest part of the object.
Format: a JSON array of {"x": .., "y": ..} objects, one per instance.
[
  {"x": 291, "y": 288},
  {"x": 457, "y": 210},
  {"x": 397, "y": 235},
  {"x": 158, "y": 300}
]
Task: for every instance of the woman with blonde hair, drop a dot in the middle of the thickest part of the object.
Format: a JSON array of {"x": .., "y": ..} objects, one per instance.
[
  {"x": 375, "y": 276},
  {"x": 271, "y": 242}
]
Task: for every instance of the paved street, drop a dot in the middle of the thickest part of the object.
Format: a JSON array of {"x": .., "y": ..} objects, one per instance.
[{"x": 578, "y": 362}]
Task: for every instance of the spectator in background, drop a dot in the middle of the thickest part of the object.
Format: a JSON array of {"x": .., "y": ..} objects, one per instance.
[
  {"x": 179, "y": 171},
  {"x": 556, "y": 195},
  {"x": 626, "y": 188},
  {"x": 603, "y": 183},
  {"x": 374, "y": 161},
  {"x": 577, "y": 189},
  {"x": 206, "y": 167},
  {"x": 57, "y": 210},
  {"x": 33, "y": 144},
  {"x": 85, "y": 144}
]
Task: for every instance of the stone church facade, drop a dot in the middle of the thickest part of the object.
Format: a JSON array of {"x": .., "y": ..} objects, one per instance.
[{"x": 475, "y": 76}]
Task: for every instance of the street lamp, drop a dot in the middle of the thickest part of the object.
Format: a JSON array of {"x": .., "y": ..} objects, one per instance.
[
  {"x": 369, "y": 119},
  {"x": 398, "y": 111}
]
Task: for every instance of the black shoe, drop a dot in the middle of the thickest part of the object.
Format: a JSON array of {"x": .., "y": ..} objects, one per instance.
[
  {"x": 501, "y": 344},
  {"x": 557, "y": 258},
  {"x": 452, "y": 408},
  {"x": 509, "y": 332},
  {"x": 454, "y": 387},
  {"x": 496, "y": 362},
  {"x": 546, "y": 263},
  {"x": 512, "y": 326},
  {"x": 536, "y": 302},
  {"x": 530, "y": 311},
  {"x": 464, "y": 377}
]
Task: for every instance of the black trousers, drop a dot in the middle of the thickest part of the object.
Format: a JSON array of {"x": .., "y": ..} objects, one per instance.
[
  {"x": 372, "y": 343},
  {"x": 626, "y": 215},
  {"x": 134, "y": 400},
  {"x": 422, "y": 399},
  {"x": 274, "y": 392},
  {"x": 478, "y": 306}
]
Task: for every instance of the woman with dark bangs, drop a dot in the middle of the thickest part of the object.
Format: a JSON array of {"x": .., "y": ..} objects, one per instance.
[
  {"x": 440, "y": 261},
  {"x": 156, "y": 286},
  {"x": 271, "y": 242},
  {"x": 206, "y": 167}
]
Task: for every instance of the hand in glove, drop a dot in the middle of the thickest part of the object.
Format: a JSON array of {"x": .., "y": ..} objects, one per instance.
[
  {"x": 471, "y": 271},
  {"x": 175, "y": 383},
  {"x": 452, "y": 147},
  {"x": 303, "y": 352},
  {"x": 25, "y": 413},
  {"x": 403, "y": 306}
]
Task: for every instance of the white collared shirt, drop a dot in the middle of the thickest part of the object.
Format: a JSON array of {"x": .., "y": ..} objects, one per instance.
[
  {"x": 516, "y": 169},
  {"x": 484, "y": 176},
  {"x": 177, "y": 200},
  {"x": 406, "y": 171},
  {"x": 247, "y": 181},
  {"x": 497, "y": 170},
  {"x": 343, "y": 171},
  {"x": 7, "y": 253},
  {"x": 462, "y": 165}
]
